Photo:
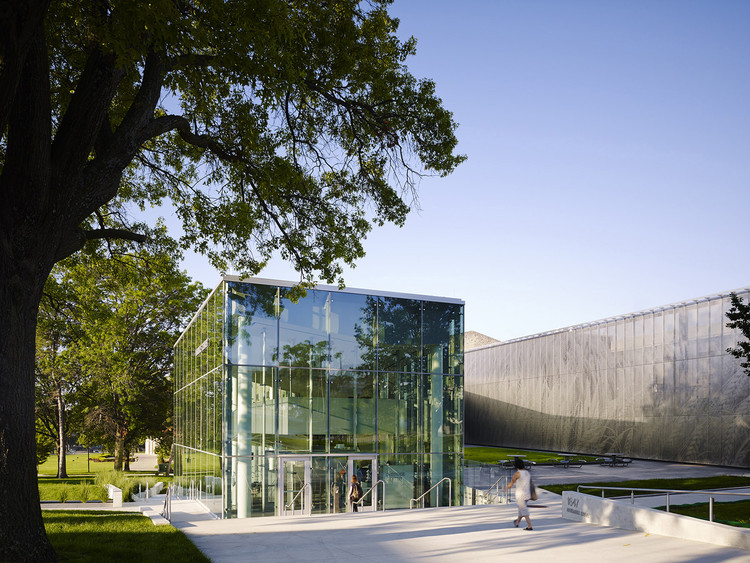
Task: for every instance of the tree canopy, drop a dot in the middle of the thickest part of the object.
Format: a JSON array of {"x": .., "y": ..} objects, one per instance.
[
  {"x": 287, "y": 126},
  {"x": 739, "y": 318}
]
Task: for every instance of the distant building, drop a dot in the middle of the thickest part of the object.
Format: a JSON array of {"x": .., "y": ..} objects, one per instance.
[
  {"x": 655, "y": 384},
  {"x": 278, "y": 404},
  {"x": 474, "y": 339}
]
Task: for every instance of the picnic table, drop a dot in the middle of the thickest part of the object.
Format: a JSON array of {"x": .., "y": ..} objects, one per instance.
[
  {"x": 565, "y": 462},
  {"x": 614, "y": 459}
]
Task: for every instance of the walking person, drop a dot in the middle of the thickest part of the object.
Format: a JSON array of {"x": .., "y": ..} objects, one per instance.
[
  {"x": 522, "y": 481},
  {"x": 355, "y": 493}
]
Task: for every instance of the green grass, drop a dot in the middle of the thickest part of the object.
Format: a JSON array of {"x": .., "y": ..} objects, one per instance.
[
  {"x": 116, "y": 536},
  {"x": 90, "y": 487},
  {"x": 76, "y": 465},
  {"x": 736, "y": 513},
  {"x": 73, "y": 488},
  {"x": 484, "y": 454},
  {"x": 689, "y": 484}
]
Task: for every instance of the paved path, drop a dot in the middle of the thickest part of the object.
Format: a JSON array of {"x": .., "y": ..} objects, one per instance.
[{"x": 467, "y": 533}]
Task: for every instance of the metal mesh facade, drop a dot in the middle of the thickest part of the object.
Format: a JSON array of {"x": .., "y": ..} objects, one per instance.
[{"x": 656, "y": 384}]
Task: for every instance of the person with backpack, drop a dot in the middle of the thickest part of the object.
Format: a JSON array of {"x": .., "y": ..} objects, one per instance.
[{"x": 355, "y": 493}]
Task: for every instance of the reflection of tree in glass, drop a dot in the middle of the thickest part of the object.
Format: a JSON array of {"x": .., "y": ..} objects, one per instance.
[
  {"x": 398, "y": 335},
  {"x": 365, "y": 333},
  {"x": 305, "y": 354},
  {"x": 249, "y": 301},
  {"x": 442, "y": 327}
]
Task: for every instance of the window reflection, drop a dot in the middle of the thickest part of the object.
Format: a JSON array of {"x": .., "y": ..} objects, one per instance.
[{"x": 399, "y": 326}]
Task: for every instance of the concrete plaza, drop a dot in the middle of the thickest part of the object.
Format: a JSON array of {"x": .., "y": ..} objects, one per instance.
[{"x": 467, "y": 533}]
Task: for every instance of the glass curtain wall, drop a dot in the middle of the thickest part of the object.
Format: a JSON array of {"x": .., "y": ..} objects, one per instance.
[
  {"x": 198, "y": 405},
  {"x": 315, "y": 390},
  {"x": 656, "y": 384}
]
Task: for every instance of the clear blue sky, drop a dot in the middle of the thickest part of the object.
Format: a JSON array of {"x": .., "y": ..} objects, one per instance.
[{"x": 608, "y": 165}]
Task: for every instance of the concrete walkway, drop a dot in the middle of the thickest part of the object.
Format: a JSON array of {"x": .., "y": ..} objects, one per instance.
[{"x": 468, "y": 533}]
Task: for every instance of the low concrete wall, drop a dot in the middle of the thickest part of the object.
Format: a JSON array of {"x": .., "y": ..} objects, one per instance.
[
  {"x": 622, "y": 514},
  {"x": 115, "y": 494}
]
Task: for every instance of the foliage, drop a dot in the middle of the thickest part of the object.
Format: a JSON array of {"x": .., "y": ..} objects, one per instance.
[
  {"x": 57, "y": 373},
  {"x": 129, "y": 312},
  {"x": 44, "y": 447},
  {"x": 281, "y": 126},
  {"x": 116, "y": 536},
  {"x": 739, "y": 319}
]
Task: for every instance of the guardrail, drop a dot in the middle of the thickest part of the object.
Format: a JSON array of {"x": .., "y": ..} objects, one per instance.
[
  {"x": 167, "y": 508},
  {"x": 421, "y": 498},
  {"x": 667, "y": 492},
  {"x": 294, "y": 499},
  {"x": 496, "y": 486},
  {"x": 360, "y": 501}
]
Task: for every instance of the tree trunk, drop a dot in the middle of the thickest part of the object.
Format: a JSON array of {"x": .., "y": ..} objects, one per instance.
[
  {"x": 127, "y": 459},
  {"x": 119, "y": 446},
  {"x": 22, "y": 534},
  {"x": 61, "y": 438}
]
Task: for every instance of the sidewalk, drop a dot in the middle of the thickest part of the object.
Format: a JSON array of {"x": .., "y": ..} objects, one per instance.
[
  {"x": 475, "y": 533},
  {"x": 468, "y": 533}
]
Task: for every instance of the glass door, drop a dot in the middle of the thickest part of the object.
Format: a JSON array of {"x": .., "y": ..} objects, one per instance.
[
  {"x": 365, "y": 468},
  {"x": 295, "y": 496}
]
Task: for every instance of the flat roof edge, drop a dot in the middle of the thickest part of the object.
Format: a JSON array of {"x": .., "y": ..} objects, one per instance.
[
  {"x": 712, "y": 297},
  {"x": 347, "y": 289}
]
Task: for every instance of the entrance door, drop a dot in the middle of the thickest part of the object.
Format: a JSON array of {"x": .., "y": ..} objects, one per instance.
[
  {"x": 366, "y": 470},
  {"x": 295, "y": 496}
]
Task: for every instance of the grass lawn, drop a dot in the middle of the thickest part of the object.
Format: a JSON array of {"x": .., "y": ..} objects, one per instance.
[
  {"x": 484, "y": 454},
  {"x": 735, "y": 513},
  {"x": 689, "y": 484},
  {"x": 116, "y": 536},
  {"x": 76, "y": 465},
  {"x": 80, "y": 484}
]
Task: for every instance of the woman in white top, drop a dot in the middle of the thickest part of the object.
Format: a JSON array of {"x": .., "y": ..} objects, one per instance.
[{"x": 522, "y": 481}]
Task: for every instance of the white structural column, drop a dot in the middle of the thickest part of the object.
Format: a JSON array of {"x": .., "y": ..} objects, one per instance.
[{"x": 242, "y": 404}]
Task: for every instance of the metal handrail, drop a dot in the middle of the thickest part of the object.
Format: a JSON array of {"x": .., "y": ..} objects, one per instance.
[
  {"x": 361, "y": 500},
  {"x": 495, "y": 486},
  {"x": 668, "y": 492},
  {"x": 302, "y": 490},
  {"x": 450, "y": 493},
  {"x": 167, "y": 509}
]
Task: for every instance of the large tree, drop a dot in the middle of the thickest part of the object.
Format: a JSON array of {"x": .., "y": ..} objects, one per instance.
[
  {"x": 58, "y": 373},
  {"x": 275, "y": 125},
  {"x": 132, "y": 310}
]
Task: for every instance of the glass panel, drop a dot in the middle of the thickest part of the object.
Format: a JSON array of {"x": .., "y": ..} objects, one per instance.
[
  {"x": 303, "y": 412},
  {"x": 442, "y": 338},
  {"x": 303, "y": 331},
  {"x": 353, "y": 331},
  {"x": 442, "y": 413},
  {"x": 402, "y": 477},
  {"x": 399, "y": 323},
  {"x": 352, "y": 421},
  {"x": 398, "y": 413},
  {"x": 251, "y": 324},
  {"x": 339, "y": 484}
]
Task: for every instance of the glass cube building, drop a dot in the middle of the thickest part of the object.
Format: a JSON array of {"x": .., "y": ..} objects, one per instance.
[
  {"x": 656, "y": 384},
  {"x": 278, "y": 403}
]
